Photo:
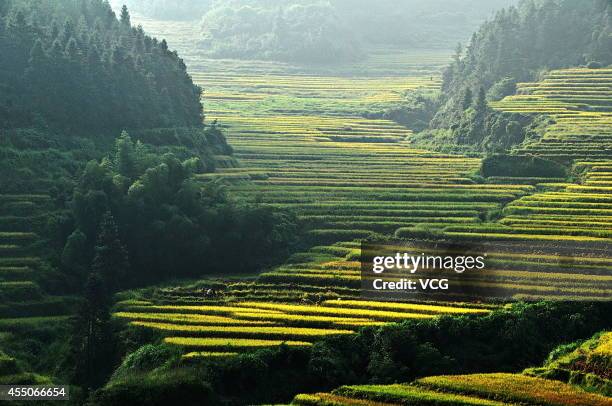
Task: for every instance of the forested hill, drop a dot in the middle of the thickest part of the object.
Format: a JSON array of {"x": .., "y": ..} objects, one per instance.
[
  {"x": 321, "y": 31},
  {"x": 522, "y": 41},
  {"x": 76, "y": 66},
  {"x": 337, "y": 30}
]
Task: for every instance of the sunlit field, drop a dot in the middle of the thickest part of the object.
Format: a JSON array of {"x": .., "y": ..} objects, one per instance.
[{"x": 302, "y": 141}]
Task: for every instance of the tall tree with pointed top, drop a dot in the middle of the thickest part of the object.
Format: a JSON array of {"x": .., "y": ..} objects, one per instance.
[
  {"x": 111, "y": 257},
  {"x": 125, "y": 16},
  {"x": 92, "y": 342}
]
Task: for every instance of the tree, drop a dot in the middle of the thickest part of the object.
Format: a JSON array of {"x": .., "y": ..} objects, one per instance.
[
  {"x": 125, "y": 157},
  {"x": 468, "y": 99},
  {"x": 74, "y": 256},
  {"x": 92, "y": 342},
  {"x": 91, "y": 62},
  {"x": 481, "y": 105},
  {"x": 125, "y": 16},
  {"x": 111, "y": 257}
]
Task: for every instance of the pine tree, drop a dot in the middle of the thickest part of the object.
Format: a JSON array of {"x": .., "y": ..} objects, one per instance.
[
  {"x": 38, "y": 56},
  {"x": 92, "y": 342},
  {"x": 72, "y": 50},
  {"x": 125, "y": 16},
  {"x": 111, "y": 257},
  {"x": 68, "y": 32}
]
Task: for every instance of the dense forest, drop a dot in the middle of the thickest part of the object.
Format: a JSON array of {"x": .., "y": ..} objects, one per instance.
[
  {"x": 76, "y": 67},
  {"x": 516, "y": 46},
  {"x": 88, "y": 76}
]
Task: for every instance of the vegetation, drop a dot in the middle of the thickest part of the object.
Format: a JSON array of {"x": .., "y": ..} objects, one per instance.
[
  {"x": 514, "y": 388},
  {"x": 519, "y": 42},
  {"x": 166, "y": 264},
  {"x": 385, "y": 354},
  {"x": 495, "y": 388},
  {"x": 583, "y": 363},
  {"x": 167, "y": 220},
  {"x": 58, "y": 56},
  {"x": 521, "y": 166},
  {"x": 306, "y": 31}
]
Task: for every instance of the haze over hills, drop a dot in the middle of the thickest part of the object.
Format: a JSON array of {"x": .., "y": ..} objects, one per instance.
[
  {"x": 188, "y": 225},
  {"x": 312, "y": 31}
]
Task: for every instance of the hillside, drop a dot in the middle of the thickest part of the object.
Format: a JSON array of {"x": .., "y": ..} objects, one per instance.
[
  {"x": 518, "y": 45},
  {"x": 336, "y": 31},
  {"x": 303, "y": 144},
  {"x": 52, "y": 129},
  {"x": 589, "y": 361},
  {"x": 198, "y": 229}
]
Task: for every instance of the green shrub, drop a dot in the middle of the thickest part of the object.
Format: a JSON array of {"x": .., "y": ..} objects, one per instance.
[
  {"x": 146, "y": 358},
  {"x": 521, "y": 166}
]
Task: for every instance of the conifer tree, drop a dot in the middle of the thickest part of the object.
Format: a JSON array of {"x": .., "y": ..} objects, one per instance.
[
  {"x": 111, "y": 258},
  {"x": 125, "y": 16},
  {"x": 92, "y": 342}
]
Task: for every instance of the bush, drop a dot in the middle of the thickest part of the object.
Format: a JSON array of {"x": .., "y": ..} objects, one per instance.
[
  {"x": 594, "y": 65},
  {"x": 146, "y": 358},
  {"x": 501, "y": 89},
  {"x": 521, "y": 166},
  {"x": 157, "y": 389}
]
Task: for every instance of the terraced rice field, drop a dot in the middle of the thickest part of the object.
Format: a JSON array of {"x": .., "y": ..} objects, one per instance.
[
  {"x": 579, "y": 101},
  {"x": 221, "y": 330},
  {"x": 572, "y": 221},
  {"x": 24, "y": 304},
  {"x": 19, "y": 271},
  {"x": 540, "y": 269},
  {"x": 479, "y": 389},
  {"x": 302, "y": 144},
  {"x": 303, "y": 141}
]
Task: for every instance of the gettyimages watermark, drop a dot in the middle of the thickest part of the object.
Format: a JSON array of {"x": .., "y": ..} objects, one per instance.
[{"x": 487, "y": 271}]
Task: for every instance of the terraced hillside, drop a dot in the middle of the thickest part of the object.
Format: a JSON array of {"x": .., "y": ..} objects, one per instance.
[
  {"x": 25, "y": 305},
  {"x": 541, "y": 269},
  {"x": 576, "y": 374},
  {"x": 302, "y": 145},
  {"x": 580, "y": 103},
  {"x": 223, "y": 329},
  {"x": 303, "y": 142},
  {"x": 479, "y": 389}
]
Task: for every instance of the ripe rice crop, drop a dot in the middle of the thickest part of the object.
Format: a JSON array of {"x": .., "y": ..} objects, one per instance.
[
  {"x": 241, "y": 331},
  {"x": 328, "y": 399},
  {"x": 193, "y": 355},
  {"x": 404, "y": 306},
  {"x": 407, "y": 394},
  {"x": 188, "y": 318},
  {"x": 515, "y": 388},
  {"x": 231, "y": 343},
  {"x": 359, "y": 313}
]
